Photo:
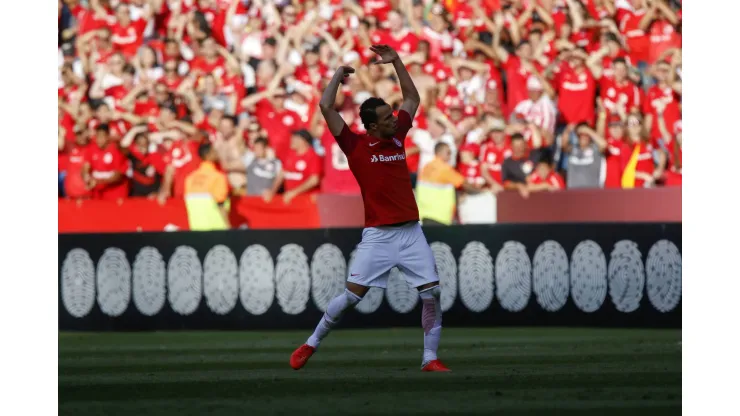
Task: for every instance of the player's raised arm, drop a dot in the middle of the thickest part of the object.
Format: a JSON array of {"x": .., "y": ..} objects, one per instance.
[
  {"x": 411, "y": 98},
  {"x": 333, "y": 119}
]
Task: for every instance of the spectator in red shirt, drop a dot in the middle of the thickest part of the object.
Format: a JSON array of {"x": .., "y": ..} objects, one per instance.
[
  {"x": 544, "y": 177},
  {"x": 619, "y": 91},
  {"x": 127, "y": 35},
  {"x": 105, "y": 167},
  {"x": 576, "y": 87},
  {"x": 639, "y": 157},
  {"x": 302, "y": 167},
  {"x": 661, "y": 94}
]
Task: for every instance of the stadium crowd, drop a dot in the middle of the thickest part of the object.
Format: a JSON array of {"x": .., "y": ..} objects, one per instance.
[{"x": 527, "y": 95}]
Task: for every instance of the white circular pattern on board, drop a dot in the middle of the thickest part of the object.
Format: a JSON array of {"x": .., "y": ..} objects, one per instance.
[
  {"x": 550, "y": 276},
  {"x": 475, "y": 277},
  {"x": 114, "y": 282},
  {"x": 626, "y": 276},
  {"x": 513, "y": 276},
  {"x": 220, "y": 283},
  {"x": 663, "y": 267},
  {"x": 292, "y": 282},
  {"x": 78, "y": 283},
  {"x": 149, "y": 281},
  {"x": 447, "y": 273},
  {"x": 372, "y": 299},
  {"x": 401, "y": 297},
  {"x": 256, "y": 279},
  {"x": 328, "y": 273},
  {"x": 588, "y": 276},
  {"x": 184, "y": 280}
]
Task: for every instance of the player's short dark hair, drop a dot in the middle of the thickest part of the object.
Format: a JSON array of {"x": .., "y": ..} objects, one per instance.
[
  {"x": 619, "y": 60},
  {"x": 517, "y": 136},
  {"x": 262, "y": 141},
  {"x": 439, "y": 147},
  {"x": 102, "y": 127},
  {"x": 204, "y": 149},
  {"x": 231, "y": 118},
  {"x": 368, "y": 110}
]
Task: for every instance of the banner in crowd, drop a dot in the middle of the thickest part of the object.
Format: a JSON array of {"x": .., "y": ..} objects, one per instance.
[{"x": 625, "y": 275}]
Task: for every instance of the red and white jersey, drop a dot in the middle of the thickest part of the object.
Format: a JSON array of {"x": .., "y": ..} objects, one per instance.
[
  {"x": 297, "y": 168},
  {"x": 377, "y": 8},
  {"x": 552, "y": 179},
  {"x": 472, "y": 172},
  {"x": 671, "y": 114},
  {"x": 104, "y": 164},
  {"x": 379, "y": 165},
  {"x": 541, "y": 113},
  {"x": 613, "y": 93},
  {"x": 404, "y": 42},
  {"x": 574, "y": 89},
  {"x": 493, "y": 156},
  {"x": 338, "y": 179},
  {"x": 127, "y": 39},
  {"x": 437, "y": 41}
]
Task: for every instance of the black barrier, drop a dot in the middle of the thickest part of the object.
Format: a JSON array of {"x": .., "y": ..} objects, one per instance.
[{"x": 612, "y": 275}]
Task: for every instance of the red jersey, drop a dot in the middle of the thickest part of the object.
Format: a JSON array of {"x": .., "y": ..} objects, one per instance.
[
  {"x": 217, "y": 67},
  {"x": 645, "y": 163},
  {"x": 74, "y": 186},
  {"x": 104, "y": 163},
  {"x": 614, "y": 168},
  {"x": 493, "y": 156},
  {"x": 662, "y": 36},
  {"x": 577, "y": 91},
  {"x": 379, "y": 165},
  {"x": 613, "y": 93},
  {"x": 183, "y": 156},
  {"x": 405, "y": 42},
  {"x": 338, "y": 179},
  {"x": 637, "y": 41},
  {"x": 279, "y": 126},
  {"x": 127, "y": 39},
  {"x": 377, "y": 8},
  {"x": 553, "y": 179},
  {"x": 516, "y": 77},
  {"x": 298, "y": 168},
  {"x": 671, "y": 114},
  {"x": 472, "y": 172}
]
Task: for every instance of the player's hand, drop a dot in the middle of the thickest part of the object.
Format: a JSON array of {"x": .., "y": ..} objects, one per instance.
[
  {"x": 346, "y": 70},
  {"x": 386, "y": 54}
]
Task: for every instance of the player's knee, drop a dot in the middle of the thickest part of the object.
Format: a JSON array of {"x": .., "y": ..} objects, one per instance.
[
  {"x": 357, "y": 290},
  {"x": 432, "y": 291},
  {"x": 352, "y": 298}
]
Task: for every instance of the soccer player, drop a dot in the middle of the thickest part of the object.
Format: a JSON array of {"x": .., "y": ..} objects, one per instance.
[{"x": 392, "y": 236}]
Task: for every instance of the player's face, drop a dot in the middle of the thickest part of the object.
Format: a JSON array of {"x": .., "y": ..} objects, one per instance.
[{"x": 387, "y": 122}]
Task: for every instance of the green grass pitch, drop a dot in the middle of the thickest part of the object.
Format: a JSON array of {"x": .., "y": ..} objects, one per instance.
[{"x": 496, "y": 371}]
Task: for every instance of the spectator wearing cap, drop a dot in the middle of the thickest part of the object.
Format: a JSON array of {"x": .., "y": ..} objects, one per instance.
[
  {"x": 544, "y": 177},
  {"x": 518, "y": 166},
  {"x": 105, "y": 167},
  {"x": 262, "y": 170},
  {"x": 206, "y": 192},
  {"x": 301, "y": 169},
  {"x": 538, "y": 108},
  {"x": 493, "y": 151},
  {"x": 435, "y": 189},
  {"x": 585, "y": 158}
]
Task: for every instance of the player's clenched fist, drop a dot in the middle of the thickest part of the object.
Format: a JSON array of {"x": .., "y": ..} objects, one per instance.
[{"x": 346, "y": 70}]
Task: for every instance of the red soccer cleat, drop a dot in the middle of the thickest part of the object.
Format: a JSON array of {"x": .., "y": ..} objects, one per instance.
[
  {"x": 300, "y": 356},
  {"x": 435, "y": 365}
]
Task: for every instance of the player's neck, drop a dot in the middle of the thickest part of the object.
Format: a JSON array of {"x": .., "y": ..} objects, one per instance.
[{"x": 378, "y": 135}]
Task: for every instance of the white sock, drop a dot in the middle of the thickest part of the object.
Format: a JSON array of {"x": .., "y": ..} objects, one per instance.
[
  {"x": 334, "y": 312},
  {"x": 431, "y": 321}
]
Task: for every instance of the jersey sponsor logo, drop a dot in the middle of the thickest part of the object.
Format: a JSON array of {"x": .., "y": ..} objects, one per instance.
[
  {"x": 397, "y": 142},
  {"x": 390, "y": 158}
]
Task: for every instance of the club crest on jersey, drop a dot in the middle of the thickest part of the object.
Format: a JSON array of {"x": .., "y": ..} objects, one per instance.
[{"x": 397, "y": 142}]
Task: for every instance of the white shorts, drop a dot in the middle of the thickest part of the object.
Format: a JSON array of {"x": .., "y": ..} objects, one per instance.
[{"x": 383, "y": 248}]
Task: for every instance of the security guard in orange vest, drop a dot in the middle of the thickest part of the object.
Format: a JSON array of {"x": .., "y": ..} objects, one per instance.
[{"x": 206, "y": 190}]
